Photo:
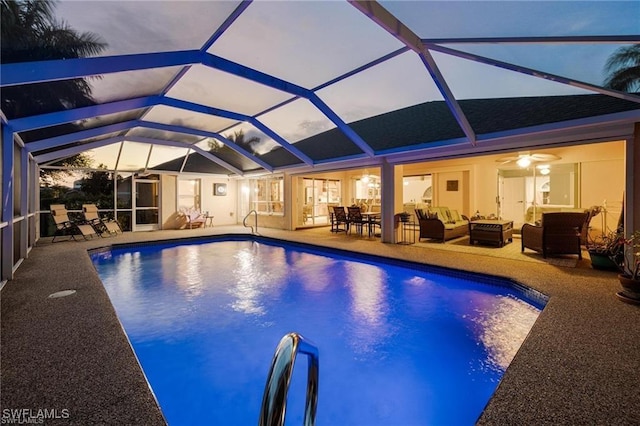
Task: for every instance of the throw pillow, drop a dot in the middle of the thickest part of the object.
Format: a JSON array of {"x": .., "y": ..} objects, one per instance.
[{"x": 449, "y": 219}]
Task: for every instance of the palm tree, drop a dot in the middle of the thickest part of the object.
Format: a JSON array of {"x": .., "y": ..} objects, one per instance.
[
  {"x": 238, "y": 138},
  {"x": 30, "y": 32},
  {"x": 623, "y": 69}
]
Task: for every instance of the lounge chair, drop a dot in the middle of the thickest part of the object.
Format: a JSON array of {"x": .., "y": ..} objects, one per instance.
[
  {"x": 102, "y": 227},
  {"x": 193, "y": 218},
  {"x": 65, "y": 226},
  {"x": 558, "y": 233}
]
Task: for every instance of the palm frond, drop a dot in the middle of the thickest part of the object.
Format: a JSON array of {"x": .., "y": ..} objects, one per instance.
[
  {"x": 623, "y": 69},
  {"x": 623, "y": 57},
  {"x": 625, "y": 80}
]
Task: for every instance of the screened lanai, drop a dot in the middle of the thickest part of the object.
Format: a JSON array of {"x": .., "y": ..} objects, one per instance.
[{"x": 242, "y": 89}]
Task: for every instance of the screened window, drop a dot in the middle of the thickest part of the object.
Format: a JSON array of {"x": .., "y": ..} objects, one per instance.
[{"x": 268, "y": 195}]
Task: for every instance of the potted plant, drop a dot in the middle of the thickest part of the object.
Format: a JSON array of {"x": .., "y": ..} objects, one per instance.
[
  {"x": 607, "y": 251},
  {"x": 630, "y": 276}
]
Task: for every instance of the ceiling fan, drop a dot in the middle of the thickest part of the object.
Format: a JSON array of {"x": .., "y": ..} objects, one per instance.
[{"x": 524, "y": 159}]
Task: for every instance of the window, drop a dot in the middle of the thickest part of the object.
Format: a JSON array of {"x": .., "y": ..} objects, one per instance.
[
  {"x": 188, "y": 194},
  {"x": 267, "y": 195}
]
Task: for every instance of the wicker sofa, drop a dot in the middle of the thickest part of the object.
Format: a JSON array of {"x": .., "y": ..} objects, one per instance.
[{"x": 440, "y": 223}]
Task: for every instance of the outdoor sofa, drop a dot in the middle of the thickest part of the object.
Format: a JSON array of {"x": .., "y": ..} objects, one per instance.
[{"x": 441, "y": 223}]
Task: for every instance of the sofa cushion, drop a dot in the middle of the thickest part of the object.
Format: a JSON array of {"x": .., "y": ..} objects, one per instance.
[
  {"x": 455, "y": 216},
  {"x": 440, "y": 214}
]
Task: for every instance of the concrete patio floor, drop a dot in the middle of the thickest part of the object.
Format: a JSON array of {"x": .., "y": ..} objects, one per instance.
[{"x": 580, "y": 363}]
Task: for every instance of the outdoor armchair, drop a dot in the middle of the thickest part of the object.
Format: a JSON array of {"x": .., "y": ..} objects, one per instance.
[{"x": 558, "y": 233}]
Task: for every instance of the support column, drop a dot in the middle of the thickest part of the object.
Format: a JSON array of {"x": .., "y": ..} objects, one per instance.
[
  {"x": 23, "y": 225},
  {"x": 34, "y": 201},
  {"x": 7, "y": 203},
  {"x": 391, "y": 189},
  {"x": 632, "y": 183}
]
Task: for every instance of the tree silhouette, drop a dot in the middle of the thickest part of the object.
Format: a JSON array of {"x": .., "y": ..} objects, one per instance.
[
  {"x": 623, "y": 69},
  {"x": 238, "y": 138},
  {"x": 30, "y": 32}
]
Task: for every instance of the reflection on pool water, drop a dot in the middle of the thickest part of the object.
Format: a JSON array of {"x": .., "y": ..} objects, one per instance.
[{"x": 397, "y": 346}]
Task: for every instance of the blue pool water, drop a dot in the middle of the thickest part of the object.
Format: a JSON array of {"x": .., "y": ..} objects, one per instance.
[{"x": 397, "y": 346}]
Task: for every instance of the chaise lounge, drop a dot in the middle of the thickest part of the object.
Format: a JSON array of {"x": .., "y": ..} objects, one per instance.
[
  {"x": 67, "y": 227},
  {"x": 102, "y": 226},
  {"x": 191, "y": 218}
]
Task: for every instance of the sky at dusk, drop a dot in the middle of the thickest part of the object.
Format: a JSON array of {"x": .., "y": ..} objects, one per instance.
[{"x": 311, "y": 42}]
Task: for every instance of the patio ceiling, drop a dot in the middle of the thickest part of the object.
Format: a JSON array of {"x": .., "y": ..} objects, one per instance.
[{"x": 182, "y": 79}]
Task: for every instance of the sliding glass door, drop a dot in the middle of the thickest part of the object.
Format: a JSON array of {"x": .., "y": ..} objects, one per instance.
[{"x": 318, "y": 196}]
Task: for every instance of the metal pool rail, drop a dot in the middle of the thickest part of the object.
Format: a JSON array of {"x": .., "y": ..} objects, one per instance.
[
  {"x": 274, "y": 400},
  {"x": 244, "y": 222}
]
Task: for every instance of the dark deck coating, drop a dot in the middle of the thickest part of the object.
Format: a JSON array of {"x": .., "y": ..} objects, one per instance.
[{"x": 579, "y": 365}]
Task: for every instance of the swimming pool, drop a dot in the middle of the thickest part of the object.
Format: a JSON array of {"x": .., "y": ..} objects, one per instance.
[{"x": 398, "y": 345}]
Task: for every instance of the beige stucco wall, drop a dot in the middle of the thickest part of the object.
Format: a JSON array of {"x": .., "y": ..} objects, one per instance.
[
  {"x": 222, "y": 208},
  {"x": 168, "y": 217}
]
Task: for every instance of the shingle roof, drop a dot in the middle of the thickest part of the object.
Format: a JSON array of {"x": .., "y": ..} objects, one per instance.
[{"x": 432, "y": 121}]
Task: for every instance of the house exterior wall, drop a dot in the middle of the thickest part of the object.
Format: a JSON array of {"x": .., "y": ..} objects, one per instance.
[
  {"x": 222, "y": 208},
  {"x": 451, "y": 190},
  {"x": 168, "y": 213},
  {"x": 601, "y": 169}
]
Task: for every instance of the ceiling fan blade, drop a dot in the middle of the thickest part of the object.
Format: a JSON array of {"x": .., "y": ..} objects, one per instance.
[
  {"x": 544, "y": 157},
  {"x": 505, "y": 160}
]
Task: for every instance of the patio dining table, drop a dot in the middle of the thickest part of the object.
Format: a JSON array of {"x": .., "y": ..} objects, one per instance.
[{"x": 371, "y": 221}]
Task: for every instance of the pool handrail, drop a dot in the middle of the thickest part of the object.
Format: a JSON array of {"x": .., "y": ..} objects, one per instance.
[
  {"x": 244, "y": 222},
  {"x": 274, "y": 400}
]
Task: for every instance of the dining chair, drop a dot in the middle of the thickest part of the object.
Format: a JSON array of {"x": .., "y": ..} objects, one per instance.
[
  {"x": 340, "y": 219},
  {"x": 356, "y": 219}
]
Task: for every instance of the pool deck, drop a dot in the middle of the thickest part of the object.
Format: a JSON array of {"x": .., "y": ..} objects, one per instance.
[{"x": 580, "y": 363}]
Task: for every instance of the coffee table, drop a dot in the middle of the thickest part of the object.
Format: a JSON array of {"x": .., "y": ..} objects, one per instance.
[{"x": 491, "y": 232}]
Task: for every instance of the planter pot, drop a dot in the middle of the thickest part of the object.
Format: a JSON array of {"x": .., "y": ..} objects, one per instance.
[
  {"x": 602, "y": 261},
  {"x": 631, "y": 290}
]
